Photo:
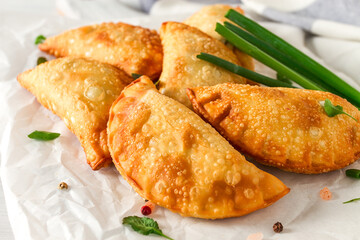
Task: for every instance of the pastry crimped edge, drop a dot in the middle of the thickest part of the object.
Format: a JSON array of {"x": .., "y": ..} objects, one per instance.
[
  {"x": 199, "y": 109},
  {"x": 138, "y": 189}
]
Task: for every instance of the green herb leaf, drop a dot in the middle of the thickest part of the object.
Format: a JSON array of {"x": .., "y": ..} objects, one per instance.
[
  {"x": 332, "y": 110},
  {"x": 352, "y": 200},
  {"x": 144, "y": 225},
  {"x": 40, "y": 39},
  {"x": 135, "y": 75},
  {"x": 353, "y": 173},
  {"x": 41, "y": 60},
  {"x": 43, "y": 136}
]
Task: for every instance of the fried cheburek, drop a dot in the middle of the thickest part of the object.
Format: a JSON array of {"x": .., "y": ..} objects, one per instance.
[
  {"x": 131, "y": 48},
  {"x": 80, "y": 92},
  {"x": 206, "y": 20},
  {"x": 181, "y": 67},
  {"x": 282, "y": 127},
  {"x": 171, "y": 157}
]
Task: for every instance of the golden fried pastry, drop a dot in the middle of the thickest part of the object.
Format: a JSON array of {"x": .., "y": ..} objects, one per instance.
[
  {"x": 206, "y": 20},
  {"x": 81, "y": 93},
  {"x": 282, "y": 127},
  {"x": 131, "y": 48},
  {"x": 181, "y": 68},
  {"x": 171, "y": 157}
]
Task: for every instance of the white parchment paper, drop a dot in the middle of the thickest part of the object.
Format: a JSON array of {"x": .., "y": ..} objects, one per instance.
[{"x": 96, "y": 202}]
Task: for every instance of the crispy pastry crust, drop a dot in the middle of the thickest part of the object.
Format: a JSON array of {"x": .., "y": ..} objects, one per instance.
[
  {"x": 81, "y": 93},
  {"x": 176, "y": 160},
  {"x": 131, "y": 48},
  {"x": 282, "y": 127},
  {"x": 206, "y": 20},
  {"x": 181, "y": 68}
]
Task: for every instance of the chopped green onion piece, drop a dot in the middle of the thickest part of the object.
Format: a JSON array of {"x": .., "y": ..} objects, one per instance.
[
  {"x": 352, "y": 200},
  {"x": 283, "y": 78},
  {"x": 309, "y": 64},
  {"x": 135, "y": 75},
  {"x": 157, "y": 82},
  {"x": 332, "y": 110},
  {"x": 266, "y": 59},
  {"x": 353, "y": 173},
  {"x": 256, "y": 77},
  {"x": 41, "y": 60},
  {"x": 43, "y": 136},
  {"x": 281, "y": 57},
  {"x": 40, "y": 39},
  {"x": 264, "y": 47}
]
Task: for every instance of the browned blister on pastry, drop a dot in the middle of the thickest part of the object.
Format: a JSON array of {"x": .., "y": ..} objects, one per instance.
[
  {"x": 206, "y": 20},
  {"x": 171, "y": 157},
  {"x": 80, "y": 92},
  {"x": 131, "y": 48},
  {"x": 181, "y": 67},
  {"x": 282, "y": 127}
]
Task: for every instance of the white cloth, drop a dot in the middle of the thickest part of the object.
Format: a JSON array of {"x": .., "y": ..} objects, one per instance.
[{"x": 329, "y": 18}]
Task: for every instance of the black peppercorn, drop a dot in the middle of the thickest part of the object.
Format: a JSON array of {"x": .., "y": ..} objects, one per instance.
[{"x": 278, "y": 227}]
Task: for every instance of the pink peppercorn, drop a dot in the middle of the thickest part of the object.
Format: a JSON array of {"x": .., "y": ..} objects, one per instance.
[
  {"x": 255, "y": 236},
  {"x": 148, "y": 208},
  {"x": 145, "y": 210},
  {"x": 325, "y": 194}
]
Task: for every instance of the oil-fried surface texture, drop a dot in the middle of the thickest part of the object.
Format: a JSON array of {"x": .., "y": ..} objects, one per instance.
[
  {"x": 171, "y": 157},
  {"x": 181, "y": 68},
  {"x": 282, "y": 127},
  {"x": 206, "y": 20},
  {"x": 81, "y": 93},
  {"x": 131, "y": 48}
]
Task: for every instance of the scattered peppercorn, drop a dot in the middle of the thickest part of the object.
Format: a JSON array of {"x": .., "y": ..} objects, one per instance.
[
  {"x": 278, "y": 227},
  {"x": 63, "y": 185},
  {"x": 148, "y": 208},
  {"x": 325, "y": 194},
  {"x": 145, "y": 210},
  {"x": 255, "y": 236}
]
